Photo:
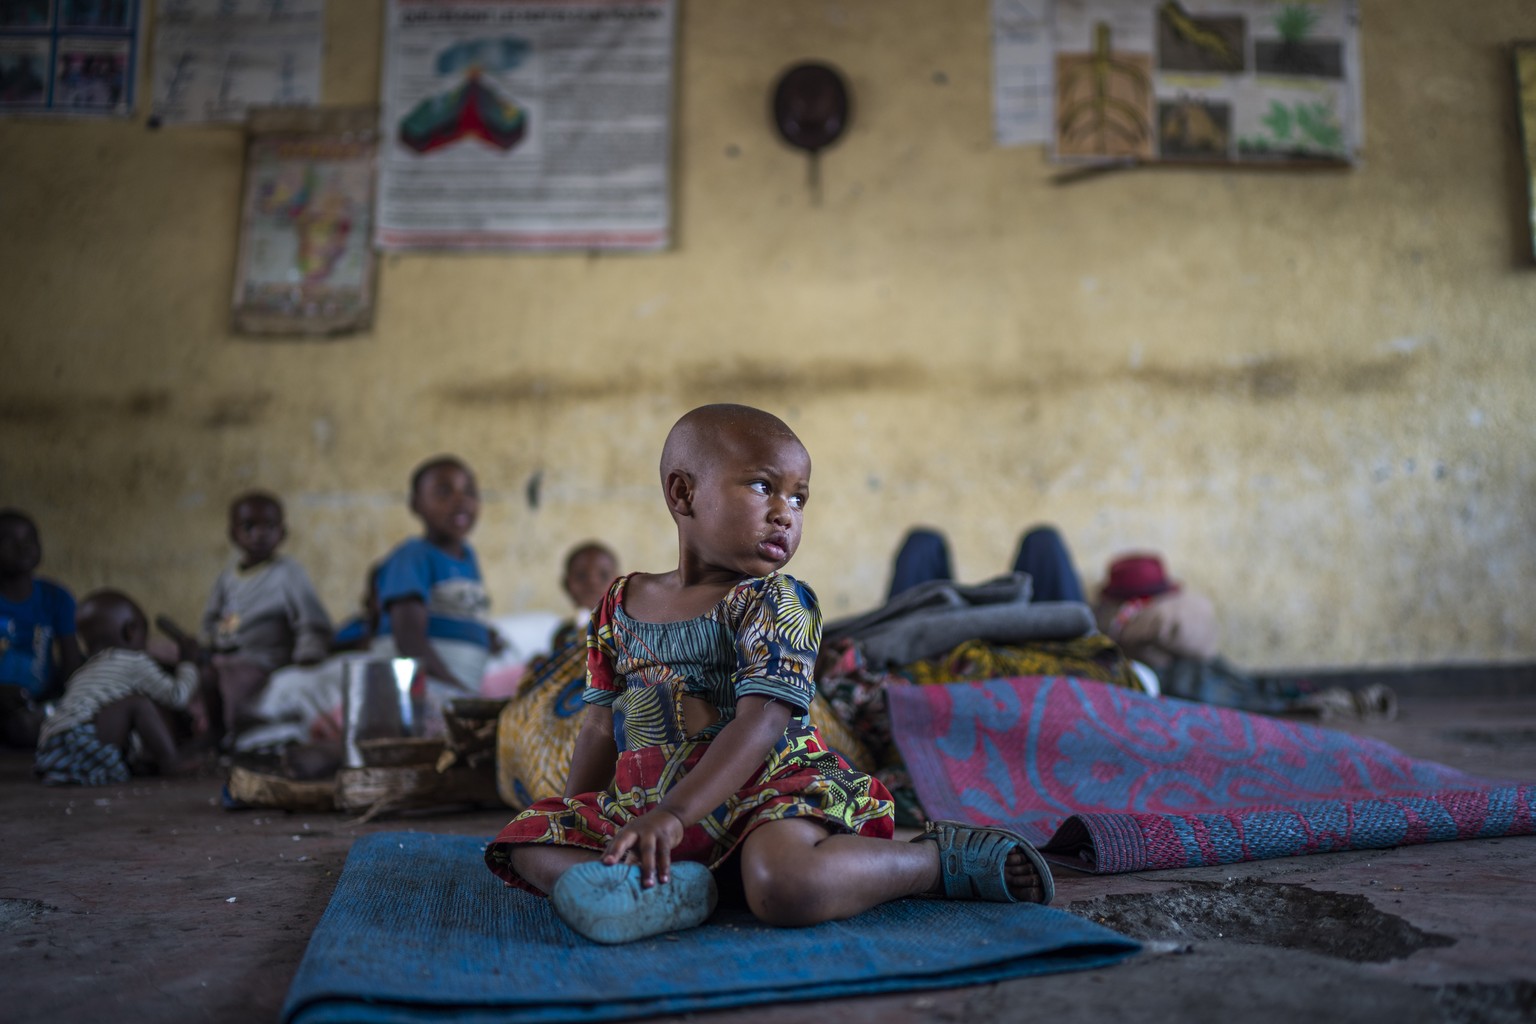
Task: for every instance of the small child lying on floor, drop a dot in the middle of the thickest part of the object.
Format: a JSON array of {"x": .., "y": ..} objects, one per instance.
[{"x": 115, "y": 695}]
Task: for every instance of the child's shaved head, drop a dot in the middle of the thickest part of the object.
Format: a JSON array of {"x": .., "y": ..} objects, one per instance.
[
  {"x": 9, "y": 516},
  {"x": 264, "y": 498},
  {"x": 20, "y": 548},
  {"x": 110, "y": 618},
  {"x": 696, "y": 441},
  {"x": 256, "y": 526},
  {"x": 437, "y": 462}
]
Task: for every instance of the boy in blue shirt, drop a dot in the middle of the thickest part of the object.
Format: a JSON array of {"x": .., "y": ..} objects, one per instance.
[
  {"x": 37, "y": 632},
  {"x": 433, "y": 599}
]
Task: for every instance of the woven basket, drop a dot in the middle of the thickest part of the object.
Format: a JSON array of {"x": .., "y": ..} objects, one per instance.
[
  {"x": 375, "y": 791},
  {"x": 475, "y": 707},
  {"x": 360, "y": 789},
  {"x": 396, "y": 751},
  {"x": 262, "y": 789}
]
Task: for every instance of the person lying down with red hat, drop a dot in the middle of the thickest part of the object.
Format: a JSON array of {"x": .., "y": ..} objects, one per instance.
[
  {"x": 1173, "y": 631},
  {"x": 1154, "y": 619}
]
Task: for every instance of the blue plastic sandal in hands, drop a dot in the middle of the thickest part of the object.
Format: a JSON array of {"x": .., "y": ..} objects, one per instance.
[
  {"x": 606, "y": 903},
  {"x": 973, "y": 860}
]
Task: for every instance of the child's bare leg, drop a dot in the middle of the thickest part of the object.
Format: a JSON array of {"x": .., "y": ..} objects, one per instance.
[
  {"x": 116, "y": 722},
  {"x": 541, "y": 866},
  {"x": 239, "y": 683},
  {"x": 795, "y": 872}
]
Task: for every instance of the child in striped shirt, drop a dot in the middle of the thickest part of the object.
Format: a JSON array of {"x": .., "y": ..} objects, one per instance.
[{"x": 116, "y": 695}]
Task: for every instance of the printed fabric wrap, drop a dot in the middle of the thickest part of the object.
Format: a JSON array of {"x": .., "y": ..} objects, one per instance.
[
  {"x": 761, "y": 639},
  {"x": 78, "y": 757},
  {"x": 536, "y": 733}
]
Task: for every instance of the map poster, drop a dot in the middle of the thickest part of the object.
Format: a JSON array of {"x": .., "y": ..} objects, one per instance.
[
  {"x": 73, "y": 57},
  {"x": 1273, "y": 82},
  {"x": 305, "y": 263},
  {"x": 526, "y": 124}
]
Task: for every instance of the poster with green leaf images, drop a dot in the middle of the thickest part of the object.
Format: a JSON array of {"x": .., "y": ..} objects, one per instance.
[{"x": 1221, "y": 81}]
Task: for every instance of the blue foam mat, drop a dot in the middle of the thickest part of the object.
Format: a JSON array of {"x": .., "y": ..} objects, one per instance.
[{"x": 419, "y": 930}]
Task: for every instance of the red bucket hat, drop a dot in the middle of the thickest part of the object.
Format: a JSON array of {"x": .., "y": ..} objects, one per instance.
[{"x": 1132, "y": 576}]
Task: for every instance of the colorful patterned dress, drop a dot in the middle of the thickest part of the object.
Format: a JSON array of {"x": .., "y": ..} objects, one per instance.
[{"x": 761, "y": 639}]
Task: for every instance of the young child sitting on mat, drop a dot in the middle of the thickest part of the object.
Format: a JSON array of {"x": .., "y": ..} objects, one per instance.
[
  {"x": 114, "y": 696},
  {"x": 695, "y": 752}
]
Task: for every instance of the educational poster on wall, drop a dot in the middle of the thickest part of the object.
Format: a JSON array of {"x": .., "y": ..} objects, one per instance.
[
  {"x": 214, "y": 59},
  {"x": 1021, "y": 71},
  {"x": 1525, "y": 86},
  {"x": 306, "y": 262},
  {"x": 73, "y": 57},
  {"x": 526, "y": 124},
  {"x": 1225, "y": 81}
]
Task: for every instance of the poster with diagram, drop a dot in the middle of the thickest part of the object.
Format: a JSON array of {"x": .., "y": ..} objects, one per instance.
[
  {"x": 1224, "y": 81},
  {"x": 526, "y": 124},
  {"x": 73, "y": 57}
]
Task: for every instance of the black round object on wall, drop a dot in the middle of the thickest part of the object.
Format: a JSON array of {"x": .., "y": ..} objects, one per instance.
[{"x": 810, "y": 106}]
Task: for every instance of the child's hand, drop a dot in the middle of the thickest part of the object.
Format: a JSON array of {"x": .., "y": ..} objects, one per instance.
[
  {"x": 197, "y": 708},
  {"x": 165, "y": 653},
  {"x": 190, "y": 650},
  {"x": 650, "y": 839}
]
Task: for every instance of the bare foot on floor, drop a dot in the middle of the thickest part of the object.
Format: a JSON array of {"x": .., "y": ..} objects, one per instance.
[
  {"x": 966, "y": 865},
  {"x": 1023, "y": 881}
]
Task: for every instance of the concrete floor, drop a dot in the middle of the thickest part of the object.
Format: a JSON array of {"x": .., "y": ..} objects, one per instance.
[{"x": 148, "y": 902}]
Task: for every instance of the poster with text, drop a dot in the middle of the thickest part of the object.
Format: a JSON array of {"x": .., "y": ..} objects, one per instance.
[
  {"x": 1021, "y": 71},
  {"x": 1221, "y": 81},
  {"x": 526, "y": 124},
  {"x": 214, "y": 59},
  {"x": 73, "y": 57}
]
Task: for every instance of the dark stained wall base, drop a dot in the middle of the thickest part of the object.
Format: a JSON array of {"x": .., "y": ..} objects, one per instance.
[{"x": 1513, "y": 680}]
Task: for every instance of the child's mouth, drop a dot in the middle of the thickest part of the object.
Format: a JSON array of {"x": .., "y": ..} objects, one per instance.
[{"x": 774, "y": 549}]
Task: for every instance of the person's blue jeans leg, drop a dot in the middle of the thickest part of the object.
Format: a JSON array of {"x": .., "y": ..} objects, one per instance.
[
  {"x": 1043, "y": 554},
  {"x": 923, "y": 556}
]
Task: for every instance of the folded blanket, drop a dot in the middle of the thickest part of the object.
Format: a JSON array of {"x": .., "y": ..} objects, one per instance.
[{"x": 931, "y": 618}]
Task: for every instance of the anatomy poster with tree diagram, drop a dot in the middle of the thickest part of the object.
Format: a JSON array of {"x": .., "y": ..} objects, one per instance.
[
  {"x": 1226, "y": 81},
  {"x": 526, "y": 124}
]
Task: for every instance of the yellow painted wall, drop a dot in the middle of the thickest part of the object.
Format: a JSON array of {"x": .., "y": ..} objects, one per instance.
[{"x": 1313, "y": 392}]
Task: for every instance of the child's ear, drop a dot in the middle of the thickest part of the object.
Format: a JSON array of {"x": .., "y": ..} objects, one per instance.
[{"x": 679, "y": 493}]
